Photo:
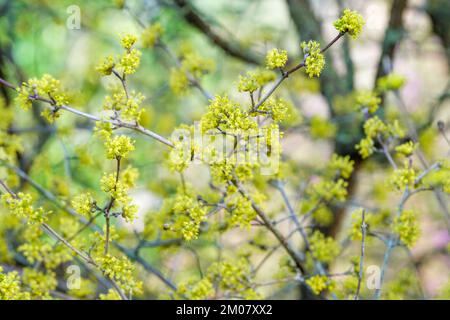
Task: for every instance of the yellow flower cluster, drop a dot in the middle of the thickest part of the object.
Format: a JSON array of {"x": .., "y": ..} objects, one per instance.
[
  {"x": 277, "y": 108},
  {"x": 129, "y": 176},
  {"x": 321, "y": 128},
  {"x": 196, "y": 65},
  {"x": 373, "y": 128},
  {"x": 86, "y": 290},
  {"x": 323, "y": 249},
  {"x": 368, "y": 99},
  {"x": 255, "y": 79},
  {"x": 22, "y": 206},
  {"x": 276, "y": 58},
  {"x": 128, "y": 62},
  {"x": 318, "y": 284},
  {"x": 83, "y": 204},
  {"x": 196, "y": 290},
  {"x": 323, "y": 215},
  {"x": 315, "y": 61},
  {"x": 103, "y": 130},
  {"x": 47, "y": 88},
  {"x": 390, "y": 82},
  {"x": 407, "y": 228},
  {"x": 192, "y": 64},
  {"x": 127, "y": 41},
  {"x": 151, "y": 35},
  {"x": 37, "y": 249},
  {"x": 39, "y": 283},
  {"x": 439, "y": 178},
  {"x": 184, "y": 150},
  {"x": 341, "y": 166},
  {"x": 331, "y": 190},
  {"x": 106, "y": 66},
  {"x": 351, "y": 22},
  {"x": 129, "y": 107},
  {"x": 110, "y": 295},
  {"x": 227, "y": 116},
  {"x": 233, "y": 278},
  {"x": 120, "y": 270},
  {"x": 406, "y": 148},
  {"x": 178, "y": 81},
  {"x": 190, "y": 214},
  {"x": 118, "y": 190},
  {"x": 10, "y": 286},
  {"x": 119, "y": 147},
  {"x": 371, "y": 219},
  {"x": 242, "y": 213},
  {"x": 9, "y": 146},
  {"x": 403, "y": 177}
]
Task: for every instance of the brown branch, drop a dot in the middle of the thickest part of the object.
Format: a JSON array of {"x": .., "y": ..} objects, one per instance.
[
  {"x": 394, "y": 33},
  {"x": 308, "y": 27},
  {"x": 231, "y": 47},
  {"x": 281, "y": 239}
]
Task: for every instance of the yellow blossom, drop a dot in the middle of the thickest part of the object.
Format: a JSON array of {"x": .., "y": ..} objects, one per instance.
[{"x": 276, "y": 58}]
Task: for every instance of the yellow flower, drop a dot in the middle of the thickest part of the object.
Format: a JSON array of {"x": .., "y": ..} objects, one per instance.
[
  {"x": 83, "y": 204},
  {"x": 226, "y": 115},
  {"x": 110, "y": 295},
  {"x": 151, "y": 35},
  {"x": 120, "y": 270},
  {"x": 10, "y": 286},
  {"x": 406, "y": 148},
  {"x": 324, "y": 249},
  {"x": 178, "y": 81},
  {"x": 119, "y": 147},
  {"x": 247, "y": 83},
  {"x": 40, "y": 283},
  {"x": 369, "y": 100},
  {"x": 403, "y": 177},
  {"x": 21, "y": 205},
  {"x": 196, "y": 65},
  {"x": 129, "y": 61},
  {"x": 390, "y": 82},
  {"x": 321, "y": 128},
  {"x": 374, "y": 126},
  {"x": 128, "y": 41},
  {"x": 351, "y": 22},
  {"x": 46, "y": 87},
  {"x": 407, "y": 228},
  {"x": 318, "y": 284},
  {"x": 341, "y": 165},
  {"x": 106, "y": 66},
  {"x": 276, "y": 58},
  {"x": 129, "y": 176},
  {"x": 315, "y": 60}
]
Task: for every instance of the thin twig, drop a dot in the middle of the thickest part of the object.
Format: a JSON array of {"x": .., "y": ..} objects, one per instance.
[
  {"x": 286, "y": 74},
  {"x": 128, "y": 252},
  {"x": 85, "y": 257},
  {"x": 361, "y": 258},
  {"x": 115, "y": 122}
]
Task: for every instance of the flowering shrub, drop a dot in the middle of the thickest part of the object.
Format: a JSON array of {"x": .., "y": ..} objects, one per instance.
[{"x": 231, "y": 195}]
